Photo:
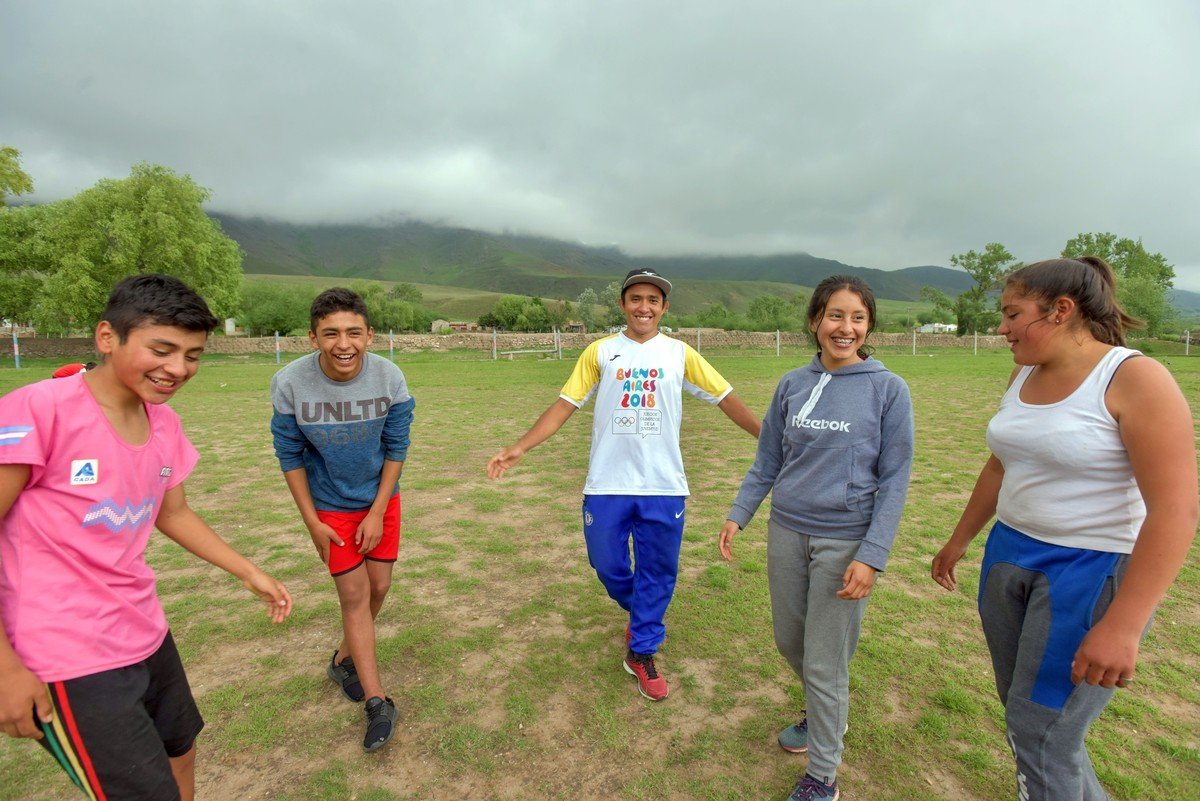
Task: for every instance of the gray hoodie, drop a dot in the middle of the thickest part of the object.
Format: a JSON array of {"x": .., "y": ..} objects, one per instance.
[{"x": 835, "y": 453}]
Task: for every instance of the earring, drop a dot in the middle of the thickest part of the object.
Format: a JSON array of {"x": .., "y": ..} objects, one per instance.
[{"x": 1057, "y": 320}]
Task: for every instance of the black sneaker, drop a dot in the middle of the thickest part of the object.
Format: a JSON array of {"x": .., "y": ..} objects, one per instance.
[
  {"x": 381, "y": 722},
  {"x": 345, "y": 676}
]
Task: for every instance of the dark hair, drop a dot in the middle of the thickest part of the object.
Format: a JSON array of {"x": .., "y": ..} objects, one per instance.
[
  {"x": 154, "y": 299},
  {"x": 337, "y": 299},
  {"x": 826, "y": 289},
  {"x": 1087, "y": 280}
]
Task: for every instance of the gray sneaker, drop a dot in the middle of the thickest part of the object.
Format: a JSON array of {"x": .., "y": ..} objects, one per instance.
[
  {"x": 810, "y": 789},
  {"x": 381, "y": 722},
  {"x": 795, "y": 737},
  {"x": 344, "y": 675}
]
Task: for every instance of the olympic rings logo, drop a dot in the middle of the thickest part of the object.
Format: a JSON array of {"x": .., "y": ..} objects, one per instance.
[{"x": 624, "y": 422}]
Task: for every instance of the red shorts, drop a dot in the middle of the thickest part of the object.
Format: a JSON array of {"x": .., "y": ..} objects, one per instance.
[{"x": 344, "y": 558}]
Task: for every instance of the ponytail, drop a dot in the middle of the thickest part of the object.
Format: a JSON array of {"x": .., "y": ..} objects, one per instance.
[{"x": 1087, "y": 280}]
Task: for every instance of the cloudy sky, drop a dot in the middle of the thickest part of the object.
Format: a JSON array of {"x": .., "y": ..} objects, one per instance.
[{"x": 882, "y": 134}]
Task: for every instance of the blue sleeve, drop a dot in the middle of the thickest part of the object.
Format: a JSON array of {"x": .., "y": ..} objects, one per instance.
[
  {"x": 895, "y": 465},
  {"x": 289, "y": 441},
  {"x": 396, "y": 429},
  {"x": 768, "y": 460}
]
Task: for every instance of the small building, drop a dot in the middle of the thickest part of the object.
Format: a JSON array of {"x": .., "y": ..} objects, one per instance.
[
  {"x": 454, "y": 326},
  {"x": 938, "y": 328}
]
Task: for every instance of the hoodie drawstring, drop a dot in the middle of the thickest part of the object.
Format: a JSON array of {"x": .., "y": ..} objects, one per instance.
[{"x": 813, "y": 397}]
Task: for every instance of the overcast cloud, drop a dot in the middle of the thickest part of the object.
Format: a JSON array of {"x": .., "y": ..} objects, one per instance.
[{"x": 882, "y": 134}]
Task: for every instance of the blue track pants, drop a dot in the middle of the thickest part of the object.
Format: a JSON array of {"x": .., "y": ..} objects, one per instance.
[{"x": 642, "y": 578}]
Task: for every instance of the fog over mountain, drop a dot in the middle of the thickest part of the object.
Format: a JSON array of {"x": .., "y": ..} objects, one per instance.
[{"x": 880, "y": 134}]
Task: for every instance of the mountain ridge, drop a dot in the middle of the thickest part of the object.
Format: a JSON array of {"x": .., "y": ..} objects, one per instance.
[
  {"x": 525, "y": 264},
  {"x": 530, "y": 265}
]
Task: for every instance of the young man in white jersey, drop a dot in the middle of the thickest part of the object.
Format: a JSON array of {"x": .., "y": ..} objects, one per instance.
[{"x": 636, "y": 488}]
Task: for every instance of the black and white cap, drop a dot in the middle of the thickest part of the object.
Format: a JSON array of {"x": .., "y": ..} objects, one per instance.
[{"x": 646, "y": 276}]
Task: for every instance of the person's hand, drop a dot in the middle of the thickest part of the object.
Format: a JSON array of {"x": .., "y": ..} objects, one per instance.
[
  {"x": 279, "y": 602},
  {"x": 944, "y": 562},
  {"x": 322, "y": 534},
  {"x": 1107, "y": 656},
  {"x": 725, "y": 541},
  {"x": 22, "y": 695},
  {"x": 506, "y": 458},
  {"x": 857, "y": 581},
  {"x": 369, "y": 533}
]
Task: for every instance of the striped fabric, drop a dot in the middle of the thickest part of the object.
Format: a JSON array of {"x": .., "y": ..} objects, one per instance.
[
  {"x": 11, "y": 435},
  {"x": 63, "y": 741}
]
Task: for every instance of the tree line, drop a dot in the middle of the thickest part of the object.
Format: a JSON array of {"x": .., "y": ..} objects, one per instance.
[
  {"x": 1144, "y": 281},
  {"x": 58, "y": 261}
]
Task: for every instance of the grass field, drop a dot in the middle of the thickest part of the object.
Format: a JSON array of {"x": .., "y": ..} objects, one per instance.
[{"x": 503, "y": 652}]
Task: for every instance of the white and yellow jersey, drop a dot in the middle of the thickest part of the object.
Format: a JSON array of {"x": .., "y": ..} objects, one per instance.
[{"x": 639, "y": 404}]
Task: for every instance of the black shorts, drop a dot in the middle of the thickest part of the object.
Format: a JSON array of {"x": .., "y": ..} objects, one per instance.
[{"x": 114, "y": 732}]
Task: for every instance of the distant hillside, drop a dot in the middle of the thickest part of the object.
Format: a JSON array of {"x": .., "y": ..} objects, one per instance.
[
  {"x": 525, "y": 265},
  {"x": 1188, "y": 303}
]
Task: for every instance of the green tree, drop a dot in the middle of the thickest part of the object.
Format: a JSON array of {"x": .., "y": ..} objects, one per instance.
[
  {"x": 270, "y": 307},
  {"x": 713, "y": 315},
  {"x": 504, "y": 313},
  {"x": 610, "y": 300},
  {"x": 973, "y": 309},
  {"x": 560, "y": 313},
  {"x": 772, "y": 313},
  {"x": 534, "y": 316},
  {"x": 585, "y": 305},
  {"x": 19, "y": 284},
  {"x": 407, "y": 293},
  {"x": 20, "y": 280},
  {"x": 387, "y": 313},
  {"x": 150, "y": 222},
  {"x": 1144, "y": 279},
  {"x": 13, "y": 180}
]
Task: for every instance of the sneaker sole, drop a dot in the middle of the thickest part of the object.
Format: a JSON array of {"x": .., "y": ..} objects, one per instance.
[{"x": 643, "y": 693}]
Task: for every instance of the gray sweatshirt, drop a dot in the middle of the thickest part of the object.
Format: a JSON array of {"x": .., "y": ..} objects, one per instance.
[{"x": 835, "y": 453}]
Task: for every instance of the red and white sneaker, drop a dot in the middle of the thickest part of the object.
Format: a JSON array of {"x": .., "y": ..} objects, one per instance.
[{"x": 651, "y": 684}]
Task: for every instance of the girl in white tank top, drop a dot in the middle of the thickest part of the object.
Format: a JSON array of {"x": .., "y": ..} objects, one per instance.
[{"x": 1093, "y": 481}]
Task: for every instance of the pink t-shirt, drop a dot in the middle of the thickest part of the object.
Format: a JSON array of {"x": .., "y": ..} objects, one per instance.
[{"x": 76, "y": 594}]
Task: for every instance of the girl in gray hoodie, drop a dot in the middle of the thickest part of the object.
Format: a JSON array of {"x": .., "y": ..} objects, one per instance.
[{"x": 835, "y": 453}]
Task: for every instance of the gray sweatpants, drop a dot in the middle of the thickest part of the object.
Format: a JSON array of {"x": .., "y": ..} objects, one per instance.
[
  {"x": 1048, "y": 743},
  {"x": 805, "y": 573}
]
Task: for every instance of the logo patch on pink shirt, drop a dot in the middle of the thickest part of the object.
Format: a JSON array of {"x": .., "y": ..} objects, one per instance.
[{"x": 85, "y": 471}]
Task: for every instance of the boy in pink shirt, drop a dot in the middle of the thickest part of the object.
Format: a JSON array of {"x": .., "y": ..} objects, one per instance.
[{"x": 89, "y": 465}]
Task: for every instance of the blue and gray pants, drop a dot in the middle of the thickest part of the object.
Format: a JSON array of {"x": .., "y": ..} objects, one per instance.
[{"x": 1037, "y": 601}]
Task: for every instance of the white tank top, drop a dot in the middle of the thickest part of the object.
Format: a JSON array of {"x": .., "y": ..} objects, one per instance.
[{"x": 1067, "y": 477}]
